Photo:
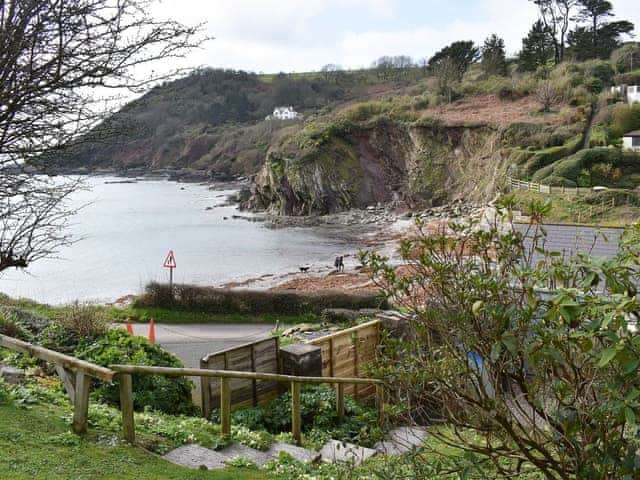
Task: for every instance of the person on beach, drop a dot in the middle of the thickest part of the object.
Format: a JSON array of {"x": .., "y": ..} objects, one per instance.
[
  {"x": 336, "y": 263},
  {"x": 341, "y": 264}
]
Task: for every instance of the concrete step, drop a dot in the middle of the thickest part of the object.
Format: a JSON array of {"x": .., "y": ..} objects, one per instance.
[
  {"x": 337, "y": 451},
  {"x": 401, "y": 440},
  {"x": 195, "y": 456}
]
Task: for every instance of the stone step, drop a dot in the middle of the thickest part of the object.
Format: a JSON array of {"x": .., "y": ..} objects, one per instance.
[
  {"x": 337, "y": 451},
  {"x": 195, "y": 456},
  {"x": 401, "y": 440}
]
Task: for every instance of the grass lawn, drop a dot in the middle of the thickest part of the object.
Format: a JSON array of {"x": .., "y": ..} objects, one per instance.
[{"x": 37, "y": 444}]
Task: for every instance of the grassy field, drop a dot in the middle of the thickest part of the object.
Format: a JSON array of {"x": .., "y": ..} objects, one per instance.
[
  {"x": 36, "y": 444},
  {"x": 576, "y": 210}
]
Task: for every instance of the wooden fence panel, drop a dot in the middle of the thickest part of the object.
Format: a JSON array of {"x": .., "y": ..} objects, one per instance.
[
  {"x": 261, "y": 357},
  {"x": 346, "y": 353}
]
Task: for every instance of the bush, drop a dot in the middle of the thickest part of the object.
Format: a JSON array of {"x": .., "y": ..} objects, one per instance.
[
  {"x": 217, "y": 300},
  {"x": 623, "y": 119},
  {"x": 11, "y": 326},
  {"x": 166, "y": 394},
  {"x": 318, "y": 411}
]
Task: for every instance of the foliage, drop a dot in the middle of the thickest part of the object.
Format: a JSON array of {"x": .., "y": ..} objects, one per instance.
[
  {"x": 11, "y": 326},
  {"x": 218, "y": 300},
  {"x": 534, "y": 382},
  {"x": 537, "y": 48},
  {"x": 319, "y": 415},
  {"x": 625, "y": 58},
  {"x": 166, "y": 394},
  {"x": 494, "y": 58},
  {"x": 258, "y": 439}
]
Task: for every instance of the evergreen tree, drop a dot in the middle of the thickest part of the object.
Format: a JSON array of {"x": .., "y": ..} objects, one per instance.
[
  {"x": 537, "y": 47},
  {"x": 600, "y": 37},
  {"x": 494, "y": 58},
  {"x": 460, "y": 55}
]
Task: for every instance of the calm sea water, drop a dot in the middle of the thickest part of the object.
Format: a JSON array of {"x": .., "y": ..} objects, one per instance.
[{"x": 127, "y": 229}]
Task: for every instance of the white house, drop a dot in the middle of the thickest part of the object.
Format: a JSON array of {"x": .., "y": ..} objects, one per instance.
[
  {"x": 284, "y": 113},
  {"x": 630, "y": 93},
  {"x": 633, "y": 94},
  {"x": 631, "y": 141}
]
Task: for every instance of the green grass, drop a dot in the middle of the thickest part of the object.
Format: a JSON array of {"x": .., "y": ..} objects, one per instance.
[
  {"x": 36, "y": 444},
  {"x": 575, "y": 210}
]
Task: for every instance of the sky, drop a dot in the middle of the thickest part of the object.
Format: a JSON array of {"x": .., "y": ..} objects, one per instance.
[{"x": 303, "y": 35}]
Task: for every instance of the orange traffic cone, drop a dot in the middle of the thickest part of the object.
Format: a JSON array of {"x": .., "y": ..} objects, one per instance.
[
  {"x": 152, "y": 332},
  {"x": 129, "y": 326}
]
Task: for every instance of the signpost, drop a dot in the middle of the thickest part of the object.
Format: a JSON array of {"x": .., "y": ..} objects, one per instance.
[{"x": 170, "y": 263}]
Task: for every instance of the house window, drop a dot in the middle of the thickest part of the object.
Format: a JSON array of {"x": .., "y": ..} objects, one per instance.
[{"x": 635, "y": 142}]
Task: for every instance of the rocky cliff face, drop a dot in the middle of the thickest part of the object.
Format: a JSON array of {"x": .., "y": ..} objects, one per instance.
[{"x": 336, "y": 167}]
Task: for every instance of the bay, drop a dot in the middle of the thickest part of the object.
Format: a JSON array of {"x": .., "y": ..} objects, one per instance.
[{"x": 125, "y": 230}]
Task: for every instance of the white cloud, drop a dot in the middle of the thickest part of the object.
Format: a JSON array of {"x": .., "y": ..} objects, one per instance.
[{"x": 285, "y": 35}]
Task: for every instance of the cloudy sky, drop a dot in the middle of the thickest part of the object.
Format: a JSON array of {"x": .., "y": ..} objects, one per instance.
[{"x": 303, "y": 35}]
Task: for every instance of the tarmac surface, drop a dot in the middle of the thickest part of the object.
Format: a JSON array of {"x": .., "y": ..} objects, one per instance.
[{"x": 191, "y": 342}]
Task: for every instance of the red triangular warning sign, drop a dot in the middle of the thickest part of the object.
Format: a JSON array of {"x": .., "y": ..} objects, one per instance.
[{"x": 170, "y": 261}]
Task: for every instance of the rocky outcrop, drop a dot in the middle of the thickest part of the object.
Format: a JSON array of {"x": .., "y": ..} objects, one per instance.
[{"x": 404, "y": 165}]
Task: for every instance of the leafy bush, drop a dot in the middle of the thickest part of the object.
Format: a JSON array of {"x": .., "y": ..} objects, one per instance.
[
  {"x": 166, "y": 394},
  {"x": 623, "y": 119},
  {"x": 12, "y": 327},
  {"x": 216, "y": 300},
  {"x": 318, "y": 411}
]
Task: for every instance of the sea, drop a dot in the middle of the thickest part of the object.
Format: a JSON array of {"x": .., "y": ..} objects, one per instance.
[{"x": 124, "y": 231}]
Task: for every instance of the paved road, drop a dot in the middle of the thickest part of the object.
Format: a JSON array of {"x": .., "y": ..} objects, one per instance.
[{"x": 191, "y": 342}]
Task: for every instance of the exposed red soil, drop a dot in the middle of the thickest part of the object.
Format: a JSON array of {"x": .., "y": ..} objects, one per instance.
[{"x": 490, "y": 109}]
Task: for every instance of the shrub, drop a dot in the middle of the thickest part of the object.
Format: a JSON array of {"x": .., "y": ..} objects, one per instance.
[
  {"x": 10, "y": 326},
  {"x": 217, "y": 300},
  {"x": 623, "y": 119},
  {"x": 167, "y": 394}
]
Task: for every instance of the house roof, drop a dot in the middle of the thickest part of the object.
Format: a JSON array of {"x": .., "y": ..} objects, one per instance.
[{"x": 635, "y": 133}]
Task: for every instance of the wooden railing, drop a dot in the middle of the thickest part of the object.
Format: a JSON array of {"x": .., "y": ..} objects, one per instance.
[
  {"x": 73, "y": 372},
  {"x": 125, "y": 373},
  {"x": 346, "y": 352}
]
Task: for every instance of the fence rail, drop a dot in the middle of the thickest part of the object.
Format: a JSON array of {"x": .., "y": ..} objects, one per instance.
[
  {"x": 73, "y": 373},
  {"x": 517, "y": 184},
  {"x": 345, "y": 352},
  {"x": 125, "y": 372}
]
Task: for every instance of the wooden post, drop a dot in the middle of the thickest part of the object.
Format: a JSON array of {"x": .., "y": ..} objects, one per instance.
[
  {"x": 126, "y": 405},
  {"x": 356, "y": 361},
  {"x": 331, "y": 357},
  {"x": 296, "y": 414},
  {"x": 340, "y": 402},
  {"x": 380, "y": 403},
  {"x": 205, "y": 396},
  {"x": 254, "y": 382},
  {"x": 225, "y": 406},
  {"x": 81, "y": 403}
]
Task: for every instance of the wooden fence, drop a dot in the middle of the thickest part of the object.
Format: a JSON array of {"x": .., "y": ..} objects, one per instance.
[
  {"x": 261, "y": 357},
  {"x": 125, "y": 373},
  {"x": 345, "y": 353},
  {"x": 517, "y": 184},
  {"x": 74, "y": 373}
]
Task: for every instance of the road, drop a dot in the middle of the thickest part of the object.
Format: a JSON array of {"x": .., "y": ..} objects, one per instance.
[{"x": 191, "y": 342}]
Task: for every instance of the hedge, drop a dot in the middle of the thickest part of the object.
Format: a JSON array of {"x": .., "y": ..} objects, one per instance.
[{"x": 253, "y": 302}]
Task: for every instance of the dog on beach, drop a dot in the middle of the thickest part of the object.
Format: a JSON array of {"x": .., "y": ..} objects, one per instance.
[{"x": 304, "y": 269}]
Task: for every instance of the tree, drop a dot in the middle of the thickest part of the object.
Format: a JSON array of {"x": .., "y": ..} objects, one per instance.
[
  {"x": 494, "y": 58},
  {"x": 600, "y": 37},
  {"x": 537, "y": 48},
  {"x": 459, "y": 55},
  {"x": 548, "y": 95},
  {"x": 626, "y": 58},
  {"x": 556, "y": 16},
  {"x": 60, "y": 61},
  {"x": 521, "y": 377}
]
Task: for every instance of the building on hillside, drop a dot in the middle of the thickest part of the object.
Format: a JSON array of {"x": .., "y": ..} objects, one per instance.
[
  {"x": 631, "y": 141},
  {"x": 629, "y": 93},
  {"x": 284, "y": 113}
]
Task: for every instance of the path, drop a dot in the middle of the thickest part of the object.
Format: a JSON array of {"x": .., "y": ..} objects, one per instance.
[{"x": 192, "y": 341}]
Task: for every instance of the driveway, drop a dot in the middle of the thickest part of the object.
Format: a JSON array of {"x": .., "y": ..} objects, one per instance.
[{"x": 190, "y": 342}]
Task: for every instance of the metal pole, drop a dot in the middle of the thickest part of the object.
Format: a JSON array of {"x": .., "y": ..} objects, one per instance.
[{"x": 171, "y": 280}]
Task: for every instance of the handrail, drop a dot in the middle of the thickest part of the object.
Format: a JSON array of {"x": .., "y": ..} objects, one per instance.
[
  {"x": 344, "y": 332},
  {"x": 125, "y": 378},
  {"x": 272, "y": 377},
  {"x": 72, "y": 371},
  {"x": 58, "y": 358}
]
